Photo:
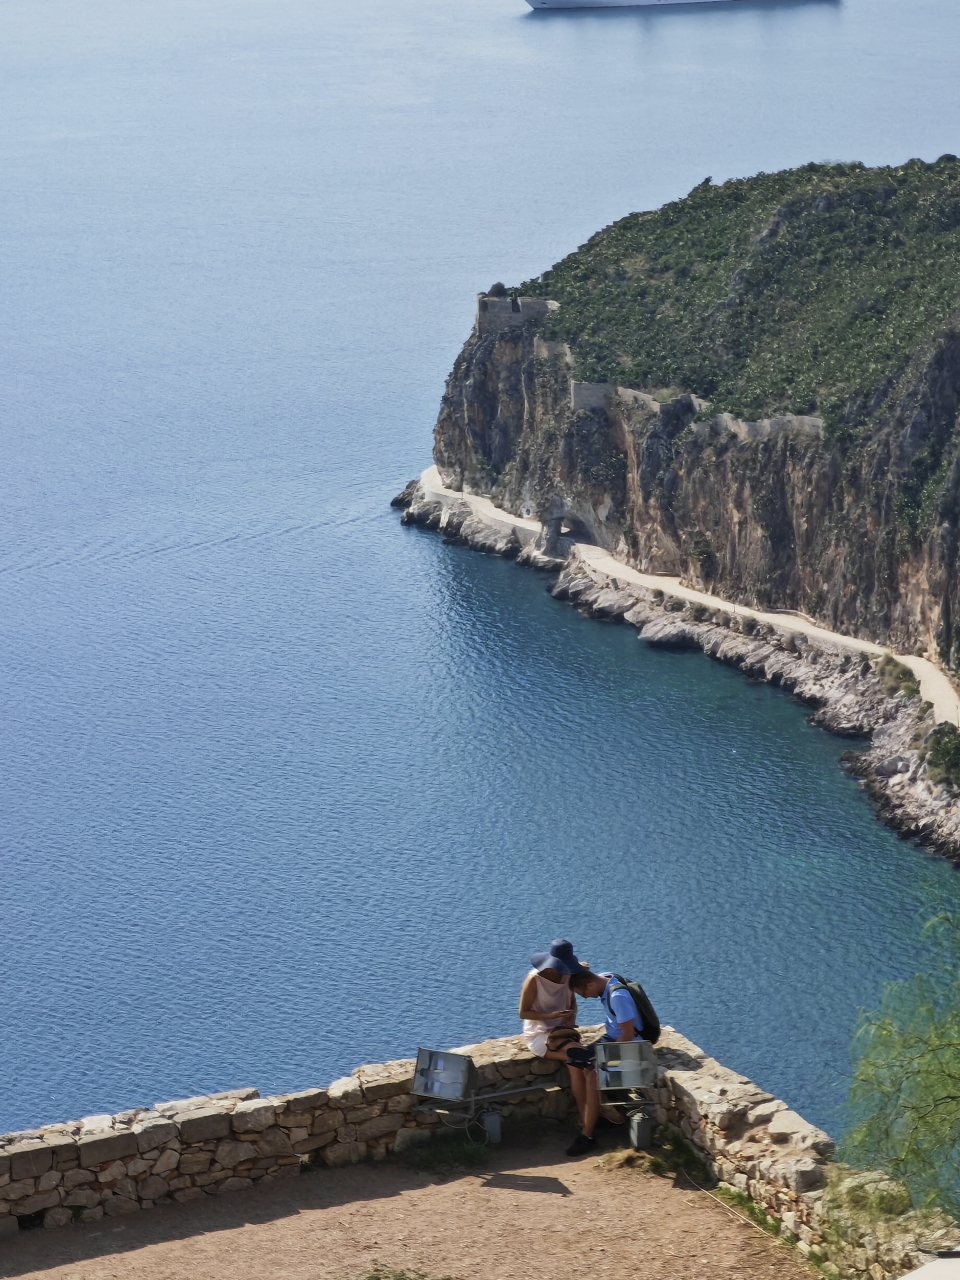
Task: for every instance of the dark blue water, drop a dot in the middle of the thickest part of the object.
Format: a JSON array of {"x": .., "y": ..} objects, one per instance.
[{"x": 284, "y": 786}]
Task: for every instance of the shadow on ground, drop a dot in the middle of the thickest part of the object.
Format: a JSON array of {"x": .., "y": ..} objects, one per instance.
[{"x": 319, "y": 1188}]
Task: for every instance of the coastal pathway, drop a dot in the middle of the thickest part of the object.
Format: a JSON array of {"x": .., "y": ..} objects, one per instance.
[{"x": 936, "y": 686}]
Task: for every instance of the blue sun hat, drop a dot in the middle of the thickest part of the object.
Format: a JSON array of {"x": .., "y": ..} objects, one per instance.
[{"x": 559, "y": 957}]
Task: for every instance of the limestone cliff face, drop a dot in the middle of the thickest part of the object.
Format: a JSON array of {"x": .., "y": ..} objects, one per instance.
[{"x": 768, "y": 513}]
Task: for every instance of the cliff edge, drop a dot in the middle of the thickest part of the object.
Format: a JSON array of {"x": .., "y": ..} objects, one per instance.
[{"x": 755, "y": 389}]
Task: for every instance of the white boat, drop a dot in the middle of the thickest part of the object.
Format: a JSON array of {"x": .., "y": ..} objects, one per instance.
[{"x": 611, "y": 4}]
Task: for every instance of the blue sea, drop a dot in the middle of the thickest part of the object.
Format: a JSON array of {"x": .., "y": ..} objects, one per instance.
[{"x": 285, "y": 786}]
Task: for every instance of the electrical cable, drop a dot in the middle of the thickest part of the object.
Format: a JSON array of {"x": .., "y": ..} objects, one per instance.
[{"x": 739, "y": 1216}]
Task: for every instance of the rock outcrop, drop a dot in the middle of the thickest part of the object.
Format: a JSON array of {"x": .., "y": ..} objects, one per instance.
[{"x": 767, "y": 513}]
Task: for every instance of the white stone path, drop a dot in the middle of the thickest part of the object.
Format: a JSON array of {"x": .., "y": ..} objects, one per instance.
[{"x": 935, "y": 685}]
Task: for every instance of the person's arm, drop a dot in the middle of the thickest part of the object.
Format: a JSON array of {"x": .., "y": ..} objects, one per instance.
[
  {"x": 624, "y": 1010},
  {"x": 528, "y": 1009}
]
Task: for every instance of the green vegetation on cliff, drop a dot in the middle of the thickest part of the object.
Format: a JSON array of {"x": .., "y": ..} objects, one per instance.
[{"x": 809, "y": 291}]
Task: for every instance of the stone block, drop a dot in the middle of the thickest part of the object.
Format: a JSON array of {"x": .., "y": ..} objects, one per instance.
[
  {"x": 137, "y": 1166},
  {"x": 274, "y": 1142},
  {"x": 154, "y": 1132},
  {"x": 288, "y": 1171},
  {"x": 305, "y": 1100},
  {"x": 230, "y": 1153},
  {"x": 178, "y": 1105},
  {"x": 361, "y": 1114},
  {"x": 379, "y": 1127},
  {"x": 91, "y": 1215},
  {"x": 407, "y": 1138},
  {"x": 17, "y": 1190},
  {"x": 544, "y": 1067},
  {"x": 295, "y": 1119},
  {"x": 47, "y": 1181},
  {"x": 515, "y": 1070},
  {"x": 77, "y": 1178},
  {"x": 8, "y": 1227},
  {"x": 120, "y": 1206},
  {"x": 4, "y": 1166},
  {"x": 345, "y": 1092},
  {"x": 188, "y": 1193},
  {"x": 175, "y": 1184},
  {"x": 801, "y": 1174},
  {"x": 113, "y": 1172},
  {"x": 167, "y": 1161},
  {"x": 97, "y": 1124},
  {"x": 203, "y": 1125},
  {"x": 392, "y": 1079},
  {"x": 253, "y": 1116},
  {"x": 99, "y": 1148},
  {"x": 195, "y": 1162},
  {"x": 58, "y": 1217},
  {"x": 235, "y": 1095},
  {"x": 401, "y": 1103},
  {"x": 555, "y": 1105},
  {"x": 29, "y": 1159},
  {"x": 314, "y": 1143},
  {"x": 236, "y": 1184},
  {"x": 347, "y": 1133},
  {"x": 64, "y": 1150},
  {"x": 327, "y": 1121},
  {"x": 343, "y": 1153},
  {"x": 127, "y": 1188},
  {"x": 82, "y": 1197},
  {"x": 297, "y": 1135},
  {"x": 765, "y": 1111},
  {"x": 33, "y": 1204}
]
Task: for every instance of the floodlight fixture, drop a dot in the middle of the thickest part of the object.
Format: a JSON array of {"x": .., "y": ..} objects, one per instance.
[
  {"x": 624, "y": 1065},
  {"x": 446, "y": 1077}
]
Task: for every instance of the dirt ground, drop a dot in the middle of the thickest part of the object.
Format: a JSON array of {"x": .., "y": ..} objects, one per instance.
[{"x": 528, "y": 1214}]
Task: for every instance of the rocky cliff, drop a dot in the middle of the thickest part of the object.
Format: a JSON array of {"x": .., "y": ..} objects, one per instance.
[
  {"x": 780, "y": 419},
  {"x": 769, "y": 513}
]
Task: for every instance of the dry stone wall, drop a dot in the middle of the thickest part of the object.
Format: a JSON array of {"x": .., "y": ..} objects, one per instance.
[
  {"x": 178, "y": 1151},
  {"x": 858, "y": 1226}
]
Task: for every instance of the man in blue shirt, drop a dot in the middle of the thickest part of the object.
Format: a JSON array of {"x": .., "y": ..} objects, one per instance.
[{"x": 623, "y": 1022}]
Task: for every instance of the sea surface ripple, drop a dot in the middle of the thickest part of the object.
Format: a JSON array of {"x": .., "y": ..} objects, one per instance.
[{"x": 284, "y": 785}]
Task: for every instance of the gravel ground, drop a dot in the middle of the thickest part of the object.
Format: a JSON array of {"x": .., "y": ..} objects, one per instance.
[{"x": 528, "y": 1214}]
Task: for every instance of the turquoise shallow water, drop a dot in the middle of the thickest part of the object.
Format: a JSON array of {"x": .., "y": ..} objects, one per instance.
[{"x": 284, "y": 785}]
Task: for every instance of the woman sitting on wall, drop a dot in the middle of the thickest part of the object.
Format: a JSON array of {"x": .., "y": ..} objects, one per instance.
[{"x": 549, "y": 1009}]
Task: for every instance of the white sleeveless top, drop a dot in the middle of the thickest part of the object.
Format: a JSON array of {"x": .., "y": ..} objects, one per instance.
[{"x": 552, "y": 998}]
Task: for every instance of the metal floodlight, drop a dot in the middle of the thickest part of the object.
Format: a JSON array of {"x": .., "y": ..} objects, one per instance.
[
  {"x": 623, "y": 1065},
  {"x": 448, "y": 1077}
]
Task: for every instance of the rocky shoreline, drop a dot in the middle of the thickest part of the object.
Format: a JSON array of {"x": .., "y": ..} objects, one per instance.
[{"x": 855, "y": 695}]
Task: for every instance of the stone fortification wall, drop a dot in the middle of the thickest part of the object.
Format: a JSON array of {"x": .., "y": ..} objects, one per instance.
[
  {"x": 496, "y": 314},
  {"x": 855, "y": 1225}
]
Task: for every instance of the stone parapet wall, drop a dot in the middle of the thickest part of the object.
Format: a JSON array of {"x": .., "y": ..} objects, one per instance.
[
  {"x": 856, "y": 1225},
  {"x": 147, "y": 1157}
]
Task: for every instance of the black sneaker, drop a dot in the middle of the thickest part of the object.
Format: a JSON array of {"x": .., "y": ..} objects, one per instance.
[{"x": 581, "y": 1145}]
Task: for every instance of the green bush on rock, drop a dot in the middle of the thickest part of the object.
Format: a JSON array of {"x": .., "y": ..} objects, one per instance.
[
  {"x": 943, "y": 754},
  {"x": 804, "y": 291}
]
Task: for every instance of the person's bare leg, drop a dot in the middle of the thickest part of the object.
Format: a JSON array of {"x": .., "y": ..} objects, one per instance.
[
  {"x": 578, "y": 1087},
  {"x": 591, "y": 1109}
]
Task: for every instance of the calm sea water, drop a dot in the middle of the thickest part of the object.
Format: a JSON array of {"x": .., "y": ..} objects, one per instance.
[{"x": 285, "y": 786}]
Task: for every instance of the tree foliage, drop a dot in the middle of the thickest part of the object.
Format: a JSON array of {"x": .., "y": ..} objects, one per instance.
[
  {"x": 804, "y": 291},
  {"x": 905, "y": 1097}
]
